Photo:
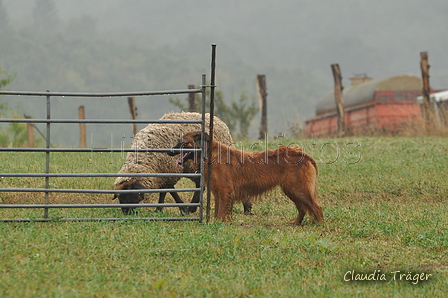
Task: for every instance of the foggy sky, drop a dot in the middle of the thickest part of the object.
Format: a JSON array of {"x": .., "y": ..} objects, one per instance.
[
  {"x": 284, "y": 33},
  {"x": 283, "y": 39}
]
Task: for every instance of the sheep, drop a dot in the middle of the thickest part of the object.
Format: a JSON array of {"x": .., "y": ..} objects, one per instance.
[{"x": 159, "y": 135}]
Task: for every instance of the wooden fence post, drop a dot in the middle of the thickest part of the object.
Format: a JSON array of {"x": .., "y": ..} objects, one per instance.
[
  {"x": 428, "y": 108},
  {"x": 82, "y": 127},
  {"x": 262, "y": 97},
  {"x": 191, "y": 100},
  {"x": 30, "y": 132},
  {"x": 37, "y": 129},
  {"x": 442, "y": 110},
  {"x": 133, "y": 110},
  {"x": 339, "y": 98}
]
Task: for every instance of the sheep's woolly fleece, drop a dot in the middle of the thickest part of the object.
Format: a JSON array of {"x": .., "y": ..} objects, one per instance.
[{"x": 165, "y": 136}]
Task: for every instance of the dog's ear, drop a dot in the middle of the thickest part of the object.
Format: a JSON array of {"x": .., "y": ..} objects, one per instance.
[{"x": 197, "y": 136}]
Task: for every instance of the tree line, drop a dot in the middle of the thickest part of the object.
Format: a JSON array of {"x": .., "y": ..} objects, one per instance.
[
  {"x": 11, "y": 134},
  {"x": 64, "y": 59},
  {"x": 238, "y": 115},
  {"x": 46, "y": 52}
]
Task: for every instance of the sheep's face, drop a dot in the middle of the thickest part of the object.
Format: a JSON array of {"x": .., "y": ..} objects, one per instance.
[
  {"x": 191, "y": 140},
  {"x": 129, "y": 198}
]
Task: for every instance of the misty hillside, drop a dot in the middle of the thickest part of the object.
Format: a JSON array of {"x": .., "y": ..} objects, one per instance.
[{"x": 117, "y": 45}]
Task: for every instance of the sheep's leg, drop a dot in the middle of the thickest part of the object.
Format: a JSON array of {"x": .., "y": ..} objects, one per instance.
[
  {"x": 195, "y": 198},
  {"x": 183, "y": 210},
  {"x": 162, "y": 196}
]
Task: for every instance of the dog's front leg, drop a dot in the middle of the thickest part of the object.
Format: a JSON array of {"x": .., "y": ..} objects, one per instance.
[
  {"x": 216, "y": 205},
  {"x": 224, "y": 200}
]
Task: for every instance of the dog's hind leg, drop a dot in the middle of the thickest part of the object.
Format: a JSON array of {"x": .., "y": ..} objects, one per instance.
[
  {"x": 300, "y": 209},
  {"x": 303, "y": 192},
  {"x": 295, "y": 196},
  {"x": 304, "y": 203}
]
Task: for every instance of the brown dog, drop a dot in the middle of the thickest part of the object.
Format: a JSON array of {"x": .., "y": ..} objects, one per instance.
[{"x": 238, "y": 175}]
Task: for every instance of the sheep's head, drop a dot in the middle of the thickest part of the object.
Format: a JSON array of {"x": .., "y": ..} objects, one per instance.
[
  {"x": 129, "y": 198},
  {"x": 190, "y": 140}
]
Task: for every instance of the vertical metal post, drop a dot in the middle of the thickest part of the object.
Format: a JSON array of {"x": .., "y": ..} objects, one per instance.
[
  {"x": 212, "y": 108},
  {"x": 47, "y": 157},
  {"x": 201, "y": 194}
]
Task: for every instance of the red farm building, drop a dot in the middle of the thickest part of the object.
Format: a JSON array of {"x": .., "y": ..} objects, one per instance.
[{"x": 387, "y": 105}]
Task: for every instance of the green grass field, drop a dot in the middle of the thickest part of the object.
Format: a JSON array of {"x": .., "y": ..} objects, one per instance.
[{"x": 385, "y": 207}]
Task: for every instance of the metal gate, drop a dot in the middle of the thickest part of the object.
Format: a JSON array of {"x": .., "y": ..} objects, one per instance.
[{"x": 48, "y": 150}]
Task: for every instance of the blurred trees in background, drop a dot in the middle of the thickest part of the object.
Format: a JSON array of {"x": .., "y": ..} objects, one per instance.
[
  {"x": 11, "y": 134},
  {"x": 4, "y": 19},
  {"x": 45, "y": 19},
  {"x": 237, "y": 115}
]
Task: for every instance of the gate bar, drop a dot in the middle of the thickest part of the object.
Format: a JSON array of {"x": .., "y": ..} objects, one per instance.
[
  {"x": 73, "y": 175},
  {"x": 36, "y": 206},
  {"x": 101, "y": 121},
  {"x": 61, "y": 190},
  {"x": 106, "y": 94},
  {"x": 95, "y": 150},
  {"x": 102, "y": 219}
]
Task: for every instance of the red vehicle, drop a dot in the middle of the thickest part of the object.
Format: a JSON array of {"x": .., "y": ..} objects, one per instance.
[{"x": 388, "y": 105}]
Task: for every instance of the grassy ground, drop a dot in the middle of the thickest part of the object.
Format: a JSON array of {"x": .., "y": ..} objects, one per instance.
[{"x": 384, "y": 202}]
